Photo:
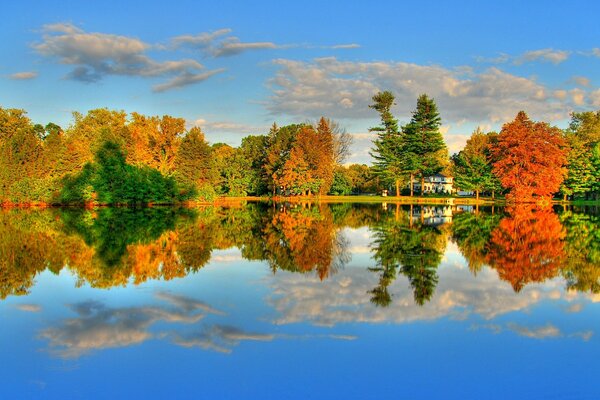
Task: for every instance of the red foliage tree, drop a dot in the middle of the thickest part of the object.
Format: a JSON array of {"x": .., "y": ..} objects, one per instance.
[
  {"x": 527, "y": 246},
  {"x": 530, "y": 158}
]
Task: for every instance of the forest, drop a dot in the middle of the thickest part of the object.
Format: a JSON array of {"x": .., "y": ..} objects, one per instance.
[{"x": 111, "y": 157}]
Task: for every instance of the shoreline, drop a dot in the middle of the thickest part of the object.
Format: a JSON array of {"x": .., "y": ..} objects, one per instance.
[{"x": 304, "y": 199}]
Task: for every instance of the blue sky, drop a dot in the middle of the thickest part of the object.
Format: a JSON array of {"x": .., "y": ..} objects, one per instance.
[{"x": 233, "y": 67}]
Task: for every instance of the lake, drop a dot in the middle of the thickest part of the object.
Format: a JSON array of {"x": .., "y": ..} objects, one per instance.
[{"x": 301, "y": 301}]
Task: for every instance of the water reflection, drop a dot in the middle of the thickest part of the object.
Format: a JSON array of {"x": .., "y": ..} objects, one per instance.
[
  {"x": 117, "y": 246},
  {"x": 213, "y": 297}
]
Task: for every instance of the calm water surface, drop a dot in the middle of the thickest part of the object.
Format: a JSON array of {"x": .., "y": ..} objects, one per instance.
[{"x": 300, "y": 301}]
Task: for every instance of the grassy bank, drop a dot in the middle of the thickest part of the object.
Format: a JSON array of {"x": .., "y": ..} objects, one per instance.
[{"x": 316, "y": 199}]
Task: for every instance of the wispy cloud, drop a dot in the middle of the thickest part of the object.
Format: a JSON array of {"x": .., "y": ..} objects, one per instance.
[
  {"x": 581, "y": 81},
  {"x": 98, "y": 327},
  {"x": 546, "y": 55},
  {"x": 228, "y": 126},
  {"x": 29, "y": 307},
  {"x": 95, "y": 55},
  {"x": 185, "y": 79},
  {"x": 219, "y": 44},
  {"x": 346, "y": 46},
  {"x": 220, "y": 338},
  {"x": 233, "y": 46},
  {"x": 541, "y": 332},
  {"x": 23, "y": 76}
]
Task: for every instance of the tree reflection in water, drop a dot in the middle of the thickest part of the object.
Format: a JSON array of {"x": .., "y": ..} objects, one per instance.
[
  {"x": 527, "y": 245},
  {"x": 117, "y": 246},
  {"x": 414, "y": 245}
]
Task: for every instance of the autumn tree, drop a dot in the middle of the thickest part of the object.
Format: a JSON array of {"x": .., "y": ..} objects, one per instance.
[
  {"x": 530, "y": 158},
  {"x": 279, "y": 146},
  {"x": 309, "y": 162}
]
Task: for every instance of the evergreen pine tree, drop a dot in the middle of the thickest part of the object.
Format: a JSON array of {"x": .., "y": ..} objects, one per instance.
[
  {"x": 424, "y": 151},
  {"x": 387, "y": 150}
]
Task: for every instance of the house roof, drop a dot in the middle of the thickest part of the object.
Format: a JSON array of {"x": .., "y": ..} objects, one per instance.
[{"x": 442, "y": 175}]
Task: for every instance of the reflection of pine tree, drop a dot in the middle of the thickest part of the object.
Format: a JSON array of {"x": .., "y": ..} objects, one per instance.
[
  {"x": 380, "y": 295},
  {"x": 423, "y": 279},
  {"x": 417, "y": 249}
]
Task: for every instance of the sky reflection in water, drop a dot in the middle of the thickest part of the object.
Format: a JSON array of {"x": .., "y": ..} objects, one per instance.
[{"x": 300, "y": 301}]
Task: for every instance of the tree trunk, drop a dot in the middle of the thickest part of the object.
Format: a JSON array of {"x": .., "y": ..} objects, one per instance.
[
  {"x": 397, "y": 187},
  {"x": 412, "y": 179},
  {"x": 422, "y": 185},
  {"x": 477, "y": 194},
  {"x": 493, "y": 194},
  {"x": 564, "y": 197}
]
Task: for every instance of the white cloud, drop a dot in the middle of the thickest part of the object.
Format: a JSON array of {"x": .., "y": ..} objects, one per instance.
[
  {"x": 29, "y": 307},
  {"x": 232, "y": 46},
  {"x": 547, "y": 55},
  {"x": 218, "y": 44},
  {"x": 229, "y": 127},
  {"x": 578, "y": 96},
  {"x": 339, "y": 89},
  {"x": 542, "y": 332},
  {"x": 26, "y": 75},
  {"x": 200, "y": 41},
  {"x": 346, "y": 46},
  {"x": 98, "y": 327},
  {"x": 96, "y": 55}
]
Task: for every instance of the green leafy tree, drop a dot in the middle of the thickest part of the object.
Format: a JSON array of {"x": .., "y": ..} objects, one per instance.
[
  {"x": 253, "y": 149},
  {"x": 472, "y": 167},
  {"x": 194, "y": 163},
  {"x": 342, "y": 185}
]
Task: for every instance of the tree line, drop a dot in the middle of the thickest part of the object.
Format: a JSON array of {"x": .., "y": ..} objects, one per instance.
[
  {"x": 110, "y": 157},
  {"x": 526, "y": 160}
]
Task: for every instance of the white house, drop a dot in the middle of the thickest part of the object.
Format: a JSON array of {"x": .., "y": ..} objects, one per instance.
[{"x": 438, "y": 183}]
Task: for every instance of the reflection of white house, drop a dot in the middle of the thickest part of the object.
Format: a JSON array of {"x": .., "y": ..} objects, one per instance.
[
  {"x": 438, "y": 183},
  {"x": 434, "y": 215}
]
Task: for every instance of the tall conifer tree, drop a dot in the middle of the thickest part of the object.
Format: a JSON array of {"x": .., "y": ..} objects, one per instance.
[
  {"x": 424, "y": 151},
  {"x": 387, "y": 150}
]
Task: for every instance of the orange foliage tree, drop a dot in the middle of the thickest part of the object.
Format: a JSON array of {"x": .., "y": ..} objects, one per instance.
[
  {"x": 530, "y": 158},
  {"x": 527, "y": 246},
  {"x": 311, "y": 162}
]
